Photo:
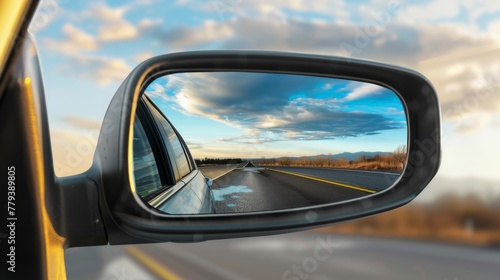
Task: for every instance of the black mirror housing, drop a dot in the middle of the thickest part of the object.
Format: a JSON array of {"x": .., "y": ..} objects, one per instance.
[{"x": 128, "y": 219}]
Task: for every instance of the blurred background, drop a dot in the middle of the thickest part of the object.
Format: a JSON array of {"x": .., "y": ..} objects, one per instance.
[{"x": 451, "y": 231}]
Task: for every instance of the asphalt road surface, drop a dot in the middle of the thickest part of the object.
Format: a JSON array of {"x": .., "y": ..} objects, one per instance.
[
  {"x": 375, "y": 180},
  {"x": 257, "y": 189},
  {"x": 307, "y": 255},
  {"x": 246, "y": 188}
]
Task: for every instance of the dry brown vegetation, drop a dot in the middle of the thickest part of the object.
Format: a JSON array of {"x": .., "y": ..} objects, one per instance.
[
  {"x": 389, "y": 162},
  {"x": 450, "y": 218}
]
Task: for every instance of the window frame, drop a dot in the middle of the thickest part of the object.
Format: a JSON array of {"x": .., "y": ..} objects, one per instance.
[
  {"x": 154, "y": 155},
  {"x": 162, "y": 160},
  {"x": 169, "y": 149}
]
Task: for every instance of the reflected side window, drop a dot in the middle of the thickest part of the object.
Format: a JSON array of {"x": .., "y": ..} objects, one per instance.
[
  {"x": 147, "y": 177},
  {"x": 170, "y": 137}
]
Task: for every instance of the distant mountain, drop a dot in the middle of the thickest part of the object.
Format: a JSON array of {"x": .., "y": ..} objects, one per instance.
[{"x": 344, "y": 155}]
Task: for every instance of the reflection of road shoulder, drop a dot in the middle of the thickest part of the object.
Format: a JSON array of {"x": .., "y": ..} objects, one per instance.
[{"x": 216, "y": 171}]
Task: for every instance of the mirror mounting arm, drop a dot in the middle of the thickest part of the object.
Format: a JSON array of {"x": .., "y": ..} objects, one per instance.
[{"x": 79, "y": 216}]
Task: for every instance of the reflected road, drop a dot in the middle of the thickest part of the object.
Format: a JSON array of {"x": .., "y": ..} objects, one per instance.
[
  {"x": 247, "y": 188},
  {"x": 375, "y": 180},
  {"x": 255, "y": 189}
]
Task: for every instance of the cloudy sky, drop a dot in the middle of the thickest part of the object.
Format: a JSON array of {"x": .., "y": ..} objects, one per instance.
[
  {"x": 88, "y": 47},
  {"x": 255, "y": 115}
]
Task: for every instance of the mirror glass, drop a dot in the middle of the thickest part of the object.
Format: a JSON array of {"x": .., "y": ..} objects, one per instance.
[{"x": 232, "y": 142}]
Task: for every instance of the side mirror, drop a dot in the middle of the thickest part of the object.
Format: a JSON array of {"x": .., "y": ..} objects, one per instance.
[{"x": 291, "y": 141}]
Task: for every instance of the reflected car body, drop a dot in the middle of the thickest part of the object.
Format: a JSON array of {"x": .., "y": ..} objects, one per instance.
[{"x": 166, "y": 175}]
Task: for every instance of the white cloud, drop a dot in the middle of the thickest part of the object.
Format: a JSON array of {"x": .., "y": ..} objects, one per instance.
[
  {"x": 184, "y": 37},
  {"x": 75, "y": 41},
  {"x": 149, "y": 23},
  {"x": 458, "y": 60},
  {"x": 466, "y": 75},
  {"x": 363, "y": 91},
  {"x": 225, "y": 10},
  {"x": 261, "y": 104},
  {"x": 429, "y": 12},
  {"x": 478, "y": 8},
  {"x": 461, "y": 58},
  {"x": 493, "y": 28},
  {"x": 114, "y": 26},
  {"x": 105, "y": 13},
  {"x": 103, "y": 70}
]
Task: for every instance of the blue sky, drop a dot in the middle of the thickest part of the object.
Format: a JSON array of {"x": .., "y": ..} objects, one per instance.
[
  {"x": 88, "y": 47},
  {"x": 218, "y": 114}
]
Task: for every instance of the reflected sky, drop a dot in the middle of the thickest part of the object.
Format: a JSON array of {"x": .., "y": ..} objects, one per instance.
[{"x": 257, "y": 113}]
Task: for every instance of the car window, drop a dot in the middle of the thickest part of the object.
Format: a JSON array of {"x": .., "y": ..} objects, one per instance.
[
  {"x": 172, "y": 143},
  {"x": 147, "y": 177}
]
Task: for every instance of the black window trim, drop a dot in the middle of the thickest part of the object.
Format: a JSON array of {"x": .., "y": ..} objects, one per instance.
[
  {"x": 159, "y": 197},
  {"x": 192, "y": 163},
  {"x": 165, "y": 170},
  {"x": 186, "y": 151}
]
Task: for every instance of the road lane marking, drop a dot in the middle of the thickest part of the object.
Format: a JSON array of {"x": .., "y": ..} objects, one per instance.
[
  {"x": 152, "y": 264},
  {"x": 324, "y": 181}
]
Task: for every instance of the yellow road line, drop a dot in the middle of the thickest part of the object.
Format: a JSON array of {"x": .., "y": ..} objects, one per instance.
[
  {"x": 323, "y": 180},
  {"x": 152, "y": 264}
]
